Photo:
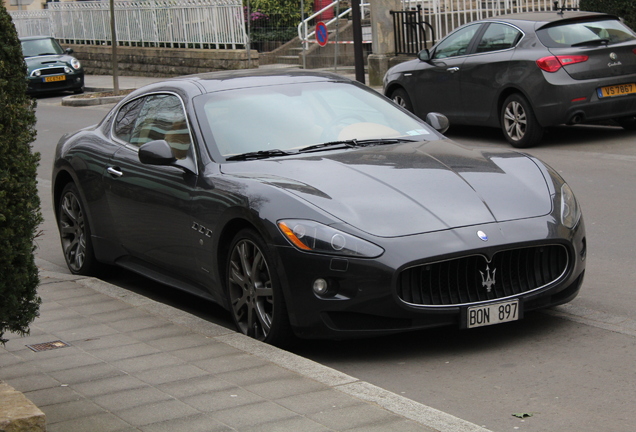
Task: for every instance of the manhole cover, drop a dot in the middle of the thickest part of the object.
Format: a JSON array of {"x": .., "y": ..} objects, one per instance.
[{"x": 46, "y": 346}]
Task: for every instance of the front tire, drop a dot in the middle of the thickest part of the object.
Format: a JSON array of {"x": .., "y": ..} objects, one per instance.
[
  {"x": 400, "y": 97},
  {"x": 75, "y": 233},
  {"x": 518, "y": 123},
  {"x": 254, "y": 291}
]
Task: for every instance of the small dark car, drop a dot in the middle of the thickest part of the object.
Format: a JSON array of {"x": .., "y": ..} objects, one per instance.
[
  {"x": 308, "y": 204},
  {"x": 49, "y": 67},
  {"x": 525, "y": 72}
]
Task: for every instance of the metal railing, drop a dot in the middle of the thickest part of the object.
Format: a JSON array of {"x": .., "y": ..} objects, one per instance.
[
  {"x": 208, "y": 24},
  {"x": 305, "y": 35},
  {"x": 32, "y": 23},
  {"x": 410, "y": 31}
]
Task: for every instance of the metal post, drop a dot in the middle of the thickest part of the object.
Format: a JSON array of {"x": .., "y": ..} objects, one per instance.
[
  {"x": 113, "y": 39},
  {"x": 357, "y": 41}
]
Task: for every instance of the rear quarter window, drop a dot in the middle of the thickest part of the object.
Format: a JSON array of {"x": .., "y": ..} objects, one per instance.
[{"x": 566, "y": 35}]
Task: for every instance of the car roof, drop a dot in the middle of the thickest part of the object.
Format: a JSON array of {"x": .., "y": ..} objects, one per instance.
[
  {"x": 552, "y": 17},
  {"x": 26, "y": 38},
  {"x": 245, "y": 78}
]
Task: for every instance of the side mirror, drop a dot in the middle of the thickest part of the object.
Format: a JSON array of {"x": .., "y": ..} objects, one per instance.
[
  {"x": 68, "y": 50},
  {"x": 156, "y": 152},
  {"x": 424, "y": 55},
  {"x": 438, "y": 121}
]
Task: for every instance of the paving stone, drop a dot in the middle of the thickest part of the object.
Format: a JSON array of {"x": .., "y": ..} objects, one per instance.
[
  {"x": 106, "y": 341},
  {"x": 33, "y": 382},
  {"x": 236, "y": 362},
  {"x": 227, "y": 398},
  {"x": 74, "y": 302},
  {"x": 62, "y": 291},
  {"x": 212, "y": 349},
  {"x": 104, "y": 422},
  {"x": 395, "y": 424},
  {"x": 156, "y": 412},
  {"x": 163, "y": 330},
  {"x": 179, "y": 342},
  {"x": 357, "y": 416},
  {"x": 109, "y": 385},
  {"x": 171, "y": 373},
  {"x": 195, "y": 386},
  {"x": 85, "y": 374},
  {"x": 53, "y": 395},
  {"x": 147, "y": 362},
  {"x": 104, "y": 305},
  {"x": 264, "y": 372},
  {"x": 131, "y": 398},
  {"x": 317, "y": 402},
  {"x": 71, "y": 410},
  {"x": 252, "y": 415},
  {"x": 195, "y": 423},
  {"x": 83, "y": 333},
  {"x": 119, "y": 315},
  {"x": 62, "y": 362},
  {"x": 123, "y": 352},
  {"x": 74, "y": 322},
  {"x": 292, "y": 424},
  {"x": 279, "y": 388},
  {"x": 140, "y": 323}
]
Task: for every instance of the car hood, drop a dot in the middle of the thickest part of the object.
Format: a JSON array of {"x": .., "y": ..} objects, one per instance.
[
  {"x": 47, "y": 61},
  {"x": 404, "y": 189}
]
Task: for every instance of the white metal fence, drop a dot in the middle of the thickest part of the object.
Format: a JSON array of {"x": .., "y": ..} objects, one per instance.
[{"x": 213, "y": 24}]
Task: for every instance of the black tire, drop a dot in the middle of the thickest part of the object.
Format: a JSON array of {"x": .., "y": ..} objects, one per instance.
[
  {"x": 628, "y": 123},
  {"x": 75, "y": 233},
  {"x": 400, "y": 97},
  {"x": 518, "y": 122},
  {"x": 79, "y": 90},
  {"x": 254, "y": 291}
]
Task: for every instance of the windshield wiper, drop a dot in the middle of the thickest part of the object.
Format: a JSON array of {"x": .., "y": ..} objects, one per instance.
[
  {"x": 261, "y": 154},
  {"x": 603, "y": 41},
  {"x": 354, "y": 143}
]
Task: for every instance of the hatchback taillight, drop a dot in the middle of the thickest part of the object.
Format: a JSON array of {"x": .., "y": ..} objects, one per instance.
[{"x": 554, "y": 63}]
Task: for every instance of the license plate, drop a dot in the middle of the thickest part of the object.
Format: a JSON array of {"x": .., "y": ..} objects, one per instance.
[
  {"x": 494, "y": 313},
  {"x": 55, "y": 78},
  {"x": 616, "y": 90}
]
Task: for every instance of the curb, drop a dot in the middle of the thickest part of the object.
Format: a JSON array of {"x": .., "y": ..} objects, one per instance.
[
  {"x": 81, "y": 100},
  {"x": 17, "y": 413}
]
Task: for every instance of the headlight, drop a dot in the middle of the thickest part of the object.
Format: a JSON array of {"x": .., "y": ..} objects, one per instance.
[
  {"x": 75, "y": 63},
  {"x": 312, "y": 236},
  {"x": 570, "y": 211}
]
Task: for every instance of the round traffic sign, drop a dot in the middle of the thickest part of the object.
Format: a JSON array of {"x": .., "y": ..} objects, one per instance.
[{"x": 322, "y": 36}]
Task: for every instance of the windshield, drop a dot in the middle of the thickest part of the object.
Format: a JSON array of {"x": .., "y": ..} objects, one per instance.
[
  {"x": 293, "y": 116},
  {"x": 38, "y": 47},
  {"x": 603, "y": 31}
]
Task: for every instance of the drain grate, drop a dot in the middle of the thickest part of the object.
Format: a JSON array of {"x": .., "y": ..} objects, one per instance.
[{"x": 46, "y": 346}]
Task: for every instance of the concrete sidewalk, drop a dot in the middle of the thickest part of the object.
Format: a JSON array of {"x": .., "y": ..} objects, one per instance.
[{"x": 101, "y": 358}]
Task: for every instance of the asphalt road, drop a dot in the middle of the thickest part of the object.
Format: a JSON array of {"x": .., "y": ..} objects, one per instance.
[{"x": 576, "y": 373}]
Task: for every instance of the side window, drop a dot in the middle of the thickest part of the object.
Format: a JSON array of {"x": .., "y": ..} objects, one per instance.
[
  {"x": 156, "y": 117},
  {"x": 498, "y": 37},
  {"x": 457, "y": 43}
]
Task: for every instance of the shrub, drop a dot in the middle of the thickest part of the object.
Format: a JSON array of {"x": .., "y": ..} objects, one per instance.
[
  {"x": 19, "y": 203},
  {"x": 622, "y": 8}
]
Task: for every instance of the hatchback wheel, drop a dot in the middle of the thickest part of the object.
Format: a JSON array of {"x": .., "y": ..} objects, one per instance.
[
  {"x": 518, "y": 122},
  {"x": 75, "y": 233},
  {"x": 628, "y": 123},
  {"x": 254, "y": 291},
  {"x": 400, "y": 97}
]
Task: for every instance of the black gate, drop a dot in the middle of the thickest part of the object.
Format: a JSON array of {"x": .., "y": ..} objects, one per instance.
[{"x": 410, "y": 31}]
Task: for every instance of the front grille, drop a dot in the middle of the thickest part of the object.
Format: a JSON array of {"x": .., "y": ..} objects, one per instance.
[
  {"x": 472, "y": 279},
  {"x": 52, "y": 71}
]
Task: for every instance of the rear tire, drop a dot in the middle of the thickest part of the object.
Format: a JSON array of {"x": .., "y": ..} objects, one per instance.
[
  {"x": 75, "y": 233},
  {"x": 400, "y": 97},
  {"x": 254, "y": 291},
  {"x": 628, "y": 123},
  {"x": 518, "y": 123}
]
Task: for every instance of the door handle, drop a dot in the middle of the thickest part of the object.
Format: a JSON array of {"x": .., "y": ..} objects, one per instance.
[
  {"x": 114, "y": 172},
  {"x": 453, "y": 69}
]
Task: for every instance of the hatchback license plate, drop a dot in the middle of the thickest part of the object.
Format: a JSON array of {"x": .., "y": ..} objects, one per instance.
[
  {"x": 495, "y": 313},
  {"x": 616, "y": 90},
  {"x": 55, "y": 78}
]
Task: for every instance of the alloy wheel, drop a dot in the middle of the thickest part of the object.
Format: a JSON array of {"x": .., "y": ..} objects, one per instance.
[
  {"x": 251, "y": 290},
  {"x": 515, "y": 121},
  {"x": 73, "y": 231}
]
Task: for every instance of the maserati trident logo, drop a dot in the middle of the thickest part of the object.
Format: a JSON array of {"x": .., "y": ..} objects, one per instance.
[
  {"x": 613, "y": 56},
  {"x": 488, "y": 280}
]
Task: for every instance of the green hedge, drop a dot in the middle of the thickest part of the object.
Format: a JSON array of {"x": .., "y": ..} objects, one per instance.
[
  {"x": 623, "y": 8},
  {"x": 19, "y": 203}
]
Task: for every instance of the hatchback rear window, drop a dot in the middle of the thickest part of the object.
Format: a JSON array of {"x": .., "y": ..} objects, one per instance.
[{"x": 585, "y": 33}]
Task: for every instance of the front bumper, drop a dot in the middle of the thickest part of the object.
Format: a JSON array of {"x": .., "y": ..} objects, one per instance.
[
  {"x": 72, "y": 82},
  {"x": 364, "y": 300}
]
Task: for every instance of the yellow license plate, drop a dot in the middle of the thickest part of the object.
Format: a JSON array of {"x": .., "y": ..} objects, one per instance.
[
  {"x": 617, "y": 90},
  {"x": 55, "y": 78}
]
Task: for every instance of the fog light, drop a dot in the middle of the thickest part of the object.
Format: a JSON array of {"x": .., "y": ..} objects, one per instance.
[{"x": 321, "y": 287}]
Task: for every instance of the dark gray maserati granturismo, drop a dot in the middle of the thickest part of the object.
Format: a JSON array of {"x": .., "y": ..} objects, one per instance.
[{"x": 310, "y": 205}]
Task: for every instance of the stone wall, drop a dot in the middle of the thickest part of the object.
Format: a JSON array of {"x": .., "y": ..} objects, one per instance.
[{"x": 160, "y": 62}]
